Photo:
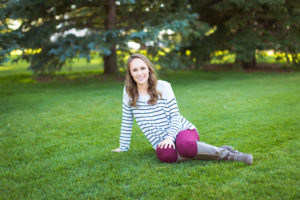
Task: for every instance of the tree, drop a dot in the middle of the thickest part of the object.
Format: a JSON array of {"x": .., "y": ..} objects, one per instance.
[
  {"x": 110, "y": 61},
  {"x": 108, "y": 25},
  {"x": 245, "y": 26}
]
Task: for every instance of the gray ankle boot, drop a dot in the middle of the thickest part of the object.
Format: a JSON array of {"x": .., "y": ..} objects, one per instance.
[
  {"x": 210, "y": 152},
  {"x": 241, "y": 157},
  {"x": 230, "y": 148}
]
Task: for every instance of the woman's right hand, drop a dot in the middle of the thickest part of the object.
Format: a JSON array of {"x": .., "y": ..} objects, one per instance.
[{"x": 117, "y": 150}]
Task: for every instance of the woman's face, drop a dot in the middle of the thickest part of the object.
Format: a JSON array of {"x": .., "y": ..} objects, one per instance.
[{"x": 139, "y": 71}]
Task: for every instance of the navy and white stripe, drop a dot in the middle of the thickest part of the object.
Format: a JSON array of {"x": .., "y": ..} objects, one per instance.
[{"x": 156, "y": 121}]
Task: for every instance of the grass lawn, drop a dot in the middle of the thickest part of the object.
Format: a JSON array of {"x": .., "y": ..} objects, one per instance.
[
  {"x": 57, "y": 137},
  {"x": 77, "y": 65}
]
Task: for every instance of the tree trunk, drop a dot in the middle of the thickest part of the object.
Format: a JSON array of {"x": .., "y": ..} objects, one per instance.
[
  {"x": 246, "y": 62},
  {"x": 110, "y": 61},
  {"x": 250, "y": 64}
]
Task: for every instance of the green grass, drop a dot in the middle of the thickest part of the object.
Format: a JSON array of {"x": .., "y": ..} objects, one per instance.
[
  {"x": 77, "y": 65},
  {"x": 57, "y": 137}
]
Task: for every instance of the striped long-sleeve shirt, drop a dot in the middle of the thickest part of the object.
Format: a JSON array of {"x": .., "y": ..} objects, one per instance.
[{"x": 156, "y": 121}]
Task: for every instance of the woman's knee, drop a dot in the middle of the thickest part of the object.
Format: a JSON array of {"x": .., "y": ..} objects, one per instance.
[
  {"x": 186, "y": 143},
  {"x": 167, "y": 155},
  {"x": 188, "y": 134},
  {"x": 187, "y": 148}
]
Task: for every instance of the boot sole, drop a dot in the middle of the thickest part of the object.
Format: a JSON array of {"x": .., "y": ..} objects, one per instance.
[{"x": 250, "y": 160}]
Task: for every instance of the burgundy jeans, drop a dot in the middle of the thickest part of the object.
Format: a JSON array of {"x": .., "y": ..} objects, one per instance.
[{"x": 185, "y": 145}]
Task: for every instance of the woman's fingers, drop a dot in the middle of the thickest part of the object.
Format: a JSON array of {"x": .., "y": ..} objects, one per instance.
[
  {"x": 117, "y": 150},
  {"x": 171, "y": 144},
  {"x": 161, "y": 144},
  {"x": 166, "y": 144}
]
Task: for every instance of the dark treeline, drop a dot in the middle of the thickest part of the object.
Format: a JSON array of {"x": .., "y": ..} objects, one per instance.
[{"x": 166, "y": 29}]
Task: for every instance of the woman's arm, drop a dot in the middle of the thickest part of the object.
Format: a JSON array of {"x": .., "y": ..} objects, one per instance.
[
  {"x": 126, "y": 128},
  {"x": 126, "y": 125},
  {"x": 175, "y": 126},
  {"x": 117, "y": 150}
]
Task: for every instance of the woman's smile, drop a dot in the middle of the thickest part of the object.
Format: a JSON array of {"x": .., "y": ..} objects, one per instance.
[
  {"x": 139, "y": 71},
  {"x": 140, "y": 78}
]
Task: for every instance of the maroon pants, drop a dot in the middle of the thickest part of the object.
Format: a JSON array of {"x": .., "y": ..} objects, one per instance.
[{"x": 185, "y": 145}]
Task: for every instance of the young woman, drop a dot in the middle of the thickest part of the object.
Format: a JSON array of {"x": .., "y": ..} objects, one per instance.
[{"x": 152, "y": 103}]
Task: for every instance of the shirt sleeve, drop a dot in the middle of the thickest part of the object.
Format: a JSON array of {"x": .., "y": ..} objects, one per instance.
[
  {"x": 127, "y": 121},
  {"x": 176, "y": 125}
]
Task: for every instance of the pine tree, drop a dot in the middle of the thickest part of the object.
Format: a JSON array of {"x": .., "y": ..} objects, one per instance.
[
  {"x": 49, "y": 26},
  {"x": 243, "y": 27}
]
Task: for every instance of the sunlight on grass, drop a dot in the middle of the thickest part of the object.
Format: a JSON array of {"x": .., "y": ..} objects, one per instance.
[
  {"x": 76, "y": 65},
  {"x": 27, "y": 80},
  {"x": 267, "y": 56},
  {"x": 25, "y": 51},
  {"x": 221, "y": 57},
  {"x": 5, "y": 68}
]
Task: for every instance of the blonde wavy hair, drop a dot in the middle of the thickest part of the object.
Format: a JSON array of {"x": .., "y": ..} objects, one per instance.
[{"x": 131, "y": 86}]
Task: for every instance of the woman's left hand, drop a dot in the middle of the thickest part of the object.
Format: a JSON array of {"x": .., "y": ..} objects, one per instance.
[{"x": 166, "y": 143}]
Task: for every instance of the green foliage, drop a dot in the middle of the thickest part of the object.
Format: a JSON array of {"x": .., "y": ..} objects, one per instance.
[
  {"x": 56, "y": 139},
  {"x": 243, "y": 27},
  {"x": 172, "y": 27},
  {"x": 50, "y": 25}
]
